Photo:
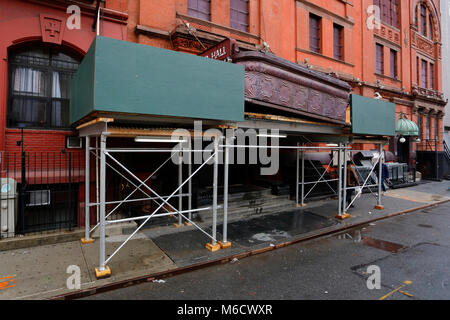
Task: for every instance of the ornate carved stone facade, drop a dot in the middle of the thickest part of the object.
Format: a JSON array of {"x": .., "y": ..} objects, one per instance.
[
  {"x": 292, "y": 87},
  {"x": 389, "y": 34}
]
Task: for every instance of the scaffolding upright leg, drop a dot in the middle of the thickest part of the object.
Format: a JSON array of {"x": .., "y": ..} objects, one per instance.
[
  {"x": 379, "y": 205},
  {"x": 340, "y": 215},
  {"x": 180, "y": 192},
  {"x": 303, "y": 176},
  {"x": 187, "y": 223},
  {"x": 297, "y": 182},
  {"x": 214, "y": 246},
  {"x": 97, "y": 180},
  {"x": 344, "y": 188},
  {"x": 103, "y": 270},
  {"x": 225, "y": 243},
  {"x": 87, "y": 238}
]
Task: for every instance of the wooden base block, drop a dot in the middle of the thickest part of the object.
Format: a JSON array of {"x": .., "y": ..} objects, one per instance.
[
  {"x": 176, "y": 225},
  {"x": 225, "y": 245},
  {"x": 343, "y": 216},
  {"x": 84, "y": 241},
  {"x": 103, "y": 274},
  {"x": 213, "y": 247},
  {"x": 379, "y": 207}
]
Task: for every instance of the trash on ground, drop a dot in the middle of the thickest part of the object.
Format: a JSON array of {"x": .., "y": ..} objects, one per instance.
[{"x": 159, "y": 281}]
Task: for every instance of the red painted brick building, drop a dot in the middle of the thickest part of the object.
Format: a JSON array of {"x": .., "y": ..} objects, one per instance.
[
  {"x": 398, "y": 58},
  {"x": 41, "y": 46}
]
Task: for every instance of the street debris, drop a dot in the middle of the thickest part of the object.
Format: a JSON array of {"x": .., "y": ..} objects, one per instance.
[{"x": 158, "y": 281}]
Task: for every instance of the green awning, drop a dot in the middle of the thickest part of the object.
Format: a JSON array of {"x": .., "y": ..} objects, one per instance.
[
  {"x": 372, "y": 117},
  {"x": 120, "y": 77},
  {"x": 406, "y": 127}
]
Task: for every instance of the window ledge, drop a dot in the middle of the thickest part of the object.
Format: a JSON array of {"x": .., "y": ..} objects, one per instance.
[
  {"x": 210, "y": 24},
  {"x": 326, "y": 57},
  {"x": 388, "y": 77}
]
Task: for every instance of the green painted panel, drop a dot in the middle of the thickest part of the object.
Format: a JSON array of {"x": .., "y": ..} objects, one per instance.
[
  {"x": 140, "y": 79},
  {"x": 372, "y": 117},
  {"x": 82, "y": 87}
]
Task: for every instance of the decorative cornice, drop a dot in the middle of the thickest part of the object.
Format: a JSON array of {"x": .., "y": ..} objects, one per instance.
[{"x": 390, "y": 35}]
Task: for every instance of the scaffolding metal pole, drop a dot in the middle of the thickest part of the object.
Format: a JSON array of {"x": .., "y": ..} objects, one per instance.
[
  {"x": 119, "y": 203},
  {"x": 190, "y": 186},
  {"x": 215, "y": 184},
  {"x": 160, "y": 206},
  {"x": 97, "y": 180},
  {"x": 297, "y": 183},
  {"x": 87, "y": 182},
  {"x": 340, "y": 179},
  {"x": 364, "y": 185},
  {"x": 380, "y": 175},
  {"x": 321, "y": 179},
  {"x": 303, "y": 175},
  {"x": 344, "y": 200},
  {"x": 102, "y": 201},
  {"x": 180, "y": 192},
  {"x": 225, "y": 195}
]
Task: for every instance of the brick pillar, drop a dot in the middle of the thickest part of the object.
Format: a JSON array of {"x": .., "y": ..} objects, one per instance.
[
  {"x": 440, "y": 122},
  {"x": 423, "y": 130},
  {"x": 432, "y": 126}
]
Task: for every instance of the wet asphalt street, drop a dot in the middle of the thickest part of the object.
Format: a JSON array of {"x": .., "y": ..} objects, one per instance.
[{"x": 411, "y": 251}]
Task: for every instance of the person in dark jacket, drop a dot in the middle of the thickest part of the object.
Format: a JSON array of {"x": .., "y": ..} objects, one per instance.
[
  {"x": 384, "y": 175},
  {"x": 352, "y": 182}
]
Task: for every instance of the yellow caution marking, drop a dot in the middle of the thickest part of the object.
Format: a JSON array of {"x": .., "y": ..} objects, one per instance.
[
  {"x": 407, "y": 282},
  {"x": 406, "y": 293}
]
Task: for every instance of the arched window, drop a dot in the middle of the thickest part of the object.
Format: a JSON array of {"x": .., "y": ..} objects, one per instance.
[
  {"x": 39, "y": 87},
  {"x": 430, "y": 27},
  {"x": 424, "y": 20}
]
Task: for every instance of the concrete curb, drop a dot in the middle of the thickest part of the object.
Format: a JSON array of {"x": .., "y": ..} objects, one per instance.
[
  {"x": 39, "y": 240},
  {"x": 170, "y": 273}
]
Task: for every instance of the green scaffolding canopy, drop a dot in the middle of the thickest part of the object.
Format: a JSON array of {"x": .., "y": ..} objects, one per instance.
[{"x": 120, "y": 77}]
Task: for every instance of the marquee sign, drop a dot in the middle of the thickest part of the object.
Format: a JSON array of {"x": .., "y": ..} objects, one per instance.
[{"x": 221, "y": 51}]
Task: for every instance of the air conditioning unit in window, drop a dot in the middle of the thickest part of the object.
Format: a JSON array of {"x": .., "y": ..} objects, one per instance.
[
  {"x": 38, "y": 198},
  {"x": 73, "y": 142}
]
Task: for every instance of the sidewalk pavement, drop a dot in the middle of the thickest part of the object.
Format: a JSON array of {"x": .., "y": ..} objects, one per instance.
[{"x": 41, "y": 272}]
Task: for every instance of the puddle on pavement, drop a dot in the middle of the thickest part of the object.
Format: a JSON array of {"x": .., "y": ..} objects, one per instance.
[
  {"x": 383, "y": 245},
  {"x": 275, "y": 227}
]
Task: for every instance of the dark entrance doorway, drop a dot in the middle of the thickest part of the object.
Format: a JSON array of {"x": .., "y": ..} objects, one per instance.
[{"x": 403, "y": 150}]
